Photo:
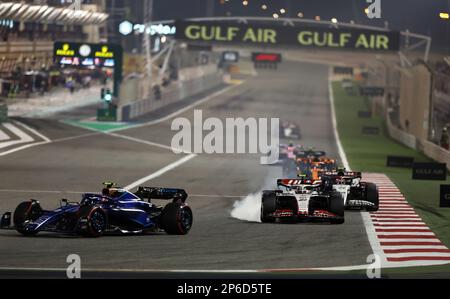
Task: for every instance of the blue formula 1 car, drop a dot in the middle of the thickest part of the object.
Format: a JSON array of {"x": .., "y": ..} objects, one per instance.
[{"x": 115, "y": 210}]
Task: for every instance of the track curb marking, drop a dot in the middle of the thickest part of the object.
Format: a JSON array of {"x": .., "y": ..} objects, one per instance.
[{"x": 401, "y": 243}]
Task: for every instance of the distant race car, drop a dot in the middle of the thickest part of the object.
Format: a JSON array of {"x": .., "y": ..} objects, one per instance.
[
  {"x": 307, "y": 163},
  {"x": 302, "y": 199},
  {"x": 115, "y": 210},
  {"x": 290, "y": 130},
  {"x": 289, "y": 151},
  {"x": 356, "y": 194},
  {"x": 312, "y": 168}
]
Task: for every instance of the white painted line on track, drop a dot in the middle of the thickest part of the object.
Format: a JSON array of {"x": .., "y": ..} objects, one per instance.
[
  {"x": 341, "y": 151},
  {"x": 23, "y": 137},
  {"x": 42, "y": 136},
  {"x": 22, "y": 148},
  {"x": 3, "y": 135},
  {"x": 142, "y": 141},
  {"x": 368, "y": 224},
  {"x": 160, "y": 172}
]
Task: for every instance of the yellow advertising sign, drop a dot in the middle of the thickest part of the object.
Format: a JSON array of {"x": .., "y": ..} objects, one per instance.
[
  {"x": 104, "y": 53},
  {"x": 304, "y": 36},
  {"x": 65, "y": 51}
]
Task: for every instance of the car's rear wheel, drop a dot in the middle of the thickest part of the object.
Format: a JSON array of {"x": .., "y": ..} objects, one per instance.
[
  {"x": 94, "y": 221},
  {"x": 24, "y": 213},
  {"x": 268, "y": 206},
  {"x": 372, "y": 196},
  {"x": 337, "y": 207},
  {"x": 176, "y": 219}
]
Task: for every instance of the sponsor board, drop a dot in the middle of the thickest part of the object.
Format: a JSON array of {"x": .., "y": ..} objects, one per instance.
[
  {"x": 445, "y": 196},
  {"x": 366, "y": 130},
  {"x": 364, "y": 114},
  {"x": 89, "y": 55},
  {"x": 399, "y": 161},
  {"x": 85, "y": 54},
  {"x": 276, "y": 35},
  {"x": 429, "y": 171},
  {"x": 372, "y": 91}
]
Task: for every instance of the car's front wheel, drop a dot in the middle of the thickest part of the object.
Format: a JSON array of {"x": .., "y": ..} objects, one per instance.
[{"x": 24, "y": 213}]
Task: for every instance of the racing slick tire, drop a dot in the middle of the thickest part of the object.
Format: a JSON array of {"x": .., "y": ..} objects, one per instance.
[
  {"x": 26, "y": 211},
  {"x": 94, "y": 219},
  {"x": 268, "y": 205},
  {"x": 372, "y": 196},
  {"x": 176, "y": 219},
  {"x": 337, "y": 207}
]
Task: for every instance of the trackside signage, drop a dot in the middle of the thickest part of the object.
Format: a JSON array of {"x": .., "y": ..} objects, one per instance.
[
  {"x": 429, "y": 171},
  {"x": 445, "y": 196},
  {"x": 266, "y": 35}
]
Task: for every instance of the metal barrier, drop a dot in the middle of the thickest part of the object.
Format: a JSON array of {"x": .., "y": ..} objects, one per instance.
[
  {"x": 436, "y": 153},
  {"x": 177, "y": 92},
  {"x": 3, "y": 113},
  {"x": 399, "y": 135}
]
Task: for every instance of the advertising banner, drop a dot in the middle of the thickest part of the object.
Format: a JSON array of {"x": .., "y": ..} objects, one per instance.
[{"x": 278, "y": 35}]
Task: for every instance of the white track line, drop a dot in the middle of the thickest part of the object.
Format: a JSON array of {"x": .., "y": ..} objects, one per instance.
[
  {"x": 160, "y": 172},
  {"x": 163, "y": 146},
  {"x": 341, "y": 151},
  {"x": 368, "y": 224},
  {"x": 23, "y": 137},
  {"x": 22, "y": 148},
  {"x": 43, "y": 137},
  {"x": 3, "y": 135}
]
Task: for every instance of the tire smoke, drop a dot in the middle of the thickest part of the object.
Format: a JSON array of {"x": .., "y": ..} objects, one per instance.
[{"x": 248, "y": 208}]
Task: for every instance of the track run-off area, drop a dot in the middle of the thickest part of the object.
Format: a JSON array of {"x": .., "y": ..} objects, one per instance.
[{"x": 70, "y": 160}]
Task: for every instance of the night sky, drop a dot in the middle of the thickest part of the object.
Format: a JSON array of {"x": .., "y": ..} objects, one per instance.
[{"x": 421, "y": 16}]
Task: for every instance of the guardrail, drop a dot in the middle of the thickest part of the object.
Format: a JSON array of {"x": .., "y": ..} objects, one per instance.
[
  {"x": 179, "y": 91},
  {"x": 436, "y": 153},
  {"x": 3, "y": 113},
  {"x": 399, "y": 135},
  {"x": 430, "y": 149}
]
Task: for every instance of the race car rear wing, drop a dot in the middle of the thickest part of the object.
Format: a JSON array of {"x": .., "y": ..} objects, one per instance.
[
  {"x": 316, "y": 154},
  {"x": 331, "y": 174},
  {"x": 149, "y": 193},
  {"x": 293, "y": 183}
]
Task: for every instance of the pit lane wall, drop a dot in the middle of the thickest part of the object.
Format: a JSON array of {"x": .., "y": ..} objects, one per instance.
[{"x": 194, "y": 80}]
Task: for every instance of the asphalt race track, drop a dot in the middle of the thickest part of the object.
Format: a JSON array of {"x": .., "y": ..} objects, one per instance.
[{"x": 79, "y": 160}]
